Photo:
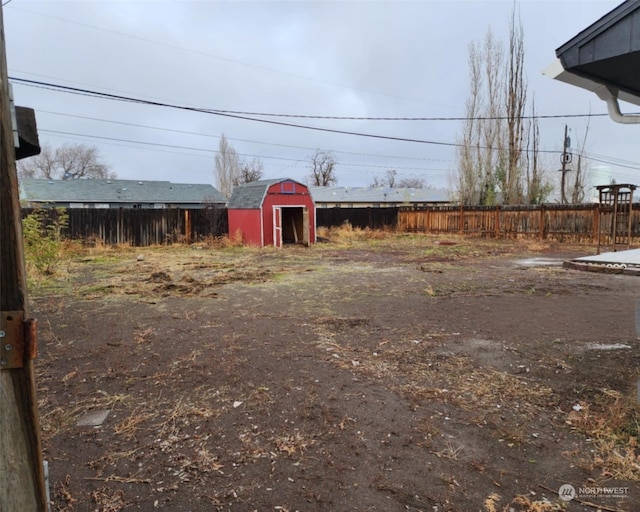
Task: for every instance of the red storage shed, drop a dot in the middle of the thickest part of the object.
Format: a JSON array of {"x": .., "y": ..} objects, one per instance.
[{"x": 272, "y": 212}]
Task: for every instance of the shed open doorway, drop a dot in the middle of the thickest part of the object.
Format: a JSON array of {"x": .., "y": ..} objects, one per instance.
[{"x": 295, "y": 225}]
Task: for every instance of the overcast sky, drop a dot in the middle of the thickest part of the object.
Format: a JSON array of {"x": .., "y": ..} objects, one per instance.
[{"x": 359, "y": 58}]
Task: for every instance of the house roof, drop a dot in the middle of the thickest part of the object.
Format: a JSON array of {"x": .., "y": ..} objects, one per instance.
[
  {"x": 116, "y": 191},
  {"x": 378, "y": 195},
  {"x": 249, "y": 196},
  {"x": 607, "y": 53}
]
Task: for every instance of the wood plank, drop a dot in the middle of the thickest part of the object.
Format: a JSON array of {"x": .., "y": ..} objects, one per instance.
[{"x": 21, "y": 467}]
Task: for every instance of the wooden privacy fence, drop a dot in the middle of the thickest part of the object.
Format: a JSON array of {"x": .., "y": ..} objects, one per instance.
[
  {"x": 142, "y": 227},
  {"x": 576, "y": 223}
]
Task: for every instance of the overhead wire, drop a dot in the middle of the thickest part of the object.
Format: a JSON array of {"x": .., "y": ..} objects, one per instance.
[
  {"x": 235, "y": 139},
  {"x": 89, "y": 92},
  {"x": 209, "y": 150},
  {"x": 130, "y": 99}
]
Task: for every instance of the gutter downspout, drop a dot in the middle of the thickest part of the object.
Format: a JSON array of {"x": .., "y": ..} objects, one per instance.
[{"x": 610, "y": 96}]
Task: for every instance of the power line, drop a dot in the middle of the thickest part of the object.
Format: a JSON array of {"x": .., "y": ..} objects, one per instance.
[
  {"x": 635, "y": 167},
  {"x": 115, "y": 97},
  {"x": 289, "y": 146},
  {"x": 78, "y": 90},
  {"x": 207, "y": 150}
]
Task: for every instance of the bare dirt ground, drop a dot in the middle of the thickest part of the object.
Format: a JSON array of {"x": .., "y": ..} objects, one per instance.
[{"x": 377, "y": 374}]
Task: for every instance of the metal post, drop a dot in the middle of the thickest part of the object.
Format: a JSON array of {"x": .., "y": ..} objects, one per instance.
[{"x": 563, "y": 195}]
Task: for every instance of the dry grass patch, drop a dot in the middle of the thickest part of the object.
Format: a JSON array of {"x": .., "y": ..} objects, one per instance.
[
  {"x": 184, "y": 412},
  {"x": 143, "y": 336},
  {"x": 450, "y": 451},
  {"x": 56, "y": 419},
  {"x": 521, "y": 503},
  {"x": 347, "y": 233},
  {"x": 63, "y": 498},
  {"x": 109, "y": 500},
  {"x": 612, "y": 423},
  {"x": 128, "y": 427},
  {"x": 292, "y": 444},
  {"x": 450, "y": 379}
]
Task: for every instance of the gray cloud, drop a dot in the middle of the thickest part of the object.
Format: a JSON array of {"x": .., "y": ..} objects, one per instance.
[{"x": 327, "y": 58}]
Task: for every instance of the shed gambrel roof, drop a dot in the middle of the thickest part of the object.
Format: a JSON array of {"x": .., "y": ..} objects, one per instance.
[
  {"x": 249, "y": 196},
  {"x": 116, "y": 191}
]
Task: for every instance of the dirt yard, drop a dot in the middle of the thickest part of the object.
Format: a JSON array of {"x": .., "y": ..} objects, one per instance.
[{"x": 386, "y": 373}]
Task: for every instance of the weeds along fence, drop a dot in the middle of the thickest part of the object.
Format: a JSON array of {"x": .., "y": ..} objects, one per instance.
[
  {"x": 571, "y": 223},
  {"x": 141, "y": 227},
  {"x": 372, "y": 218}
]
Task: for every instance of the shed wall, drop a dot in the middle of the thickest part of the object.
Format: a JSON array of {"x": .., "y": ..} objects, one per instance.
[{"x": 248, "y": 222}]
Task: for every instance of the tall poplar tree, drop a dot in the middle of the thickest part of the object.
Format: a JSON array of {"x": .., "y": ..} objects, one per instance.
[{"x": 495, "y": 163}]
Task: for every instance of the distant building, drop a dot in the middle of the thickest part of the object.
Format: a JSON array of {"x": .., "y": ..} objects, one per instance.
[
  {"x": 373, "y": 197},
  {"x": 85, "y": 193}
]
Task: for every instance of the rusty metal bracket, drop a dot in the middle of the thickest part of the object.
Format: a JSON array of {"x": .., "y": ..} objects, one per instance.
[{"x": 18, "y": 339}]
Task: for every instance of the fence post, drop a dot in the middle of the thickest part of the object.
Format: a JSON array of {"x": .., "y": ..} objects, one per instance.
[
  {"x": 119, "y": 229},
  {"x": 187, "y": 226},
  {"x": 428, "y": 220},
  {"x": 22, "y": 482},
  {"x": 461, "y": 226},
  {"x": 596, "y": 226},
  {"x": 543, "y": 218},
  {"x": 497, "y": 221}
]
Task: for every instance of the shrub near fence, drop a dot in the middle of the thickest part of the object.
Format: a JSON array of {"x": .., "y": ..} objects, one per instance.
[
  {"x": 576, "y": 223},
  {"x": 142, "y": 227}
]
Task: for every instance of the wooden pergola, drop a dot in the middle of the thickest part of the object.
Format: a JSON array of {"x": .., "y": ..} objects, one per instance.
[{"x": 615, "y": 208}]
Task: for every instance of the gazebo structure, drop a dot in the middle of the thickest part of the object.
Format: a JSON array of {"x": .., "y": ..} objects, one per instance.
[{"x": 615, "y": 214}]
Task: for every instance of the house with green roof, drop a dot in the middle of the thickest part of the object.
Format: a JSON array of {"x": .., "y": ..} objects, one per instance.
[{"x": 86, "y": 193}]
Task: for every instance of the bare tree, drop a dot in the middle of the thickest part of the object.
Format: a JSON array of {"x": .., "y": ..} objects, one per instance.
[
  {"x": 411, "y": 183},
  {"x": 511, "y": 181},
  {"x": 323, "y": 169},
  {"x": 480, "y": 154},
  {"x": 227, "y": 169},
  {"x": 492, "y": 152},
  {"x": 493, "y": 157},
  {"x": 390, "y": 180},
  {"x": 249, "y": 171},
  {"x": 470, "y": 174},
  {"x": 67, "y": 162},
  {"x": 538, "y": 185}
]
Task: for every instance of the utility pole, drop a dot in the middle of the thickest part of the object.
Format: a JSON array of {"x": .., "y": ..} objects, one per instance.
[
  {"x": 565, "y": 159},
  {"x": 22, "y": 487}
]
